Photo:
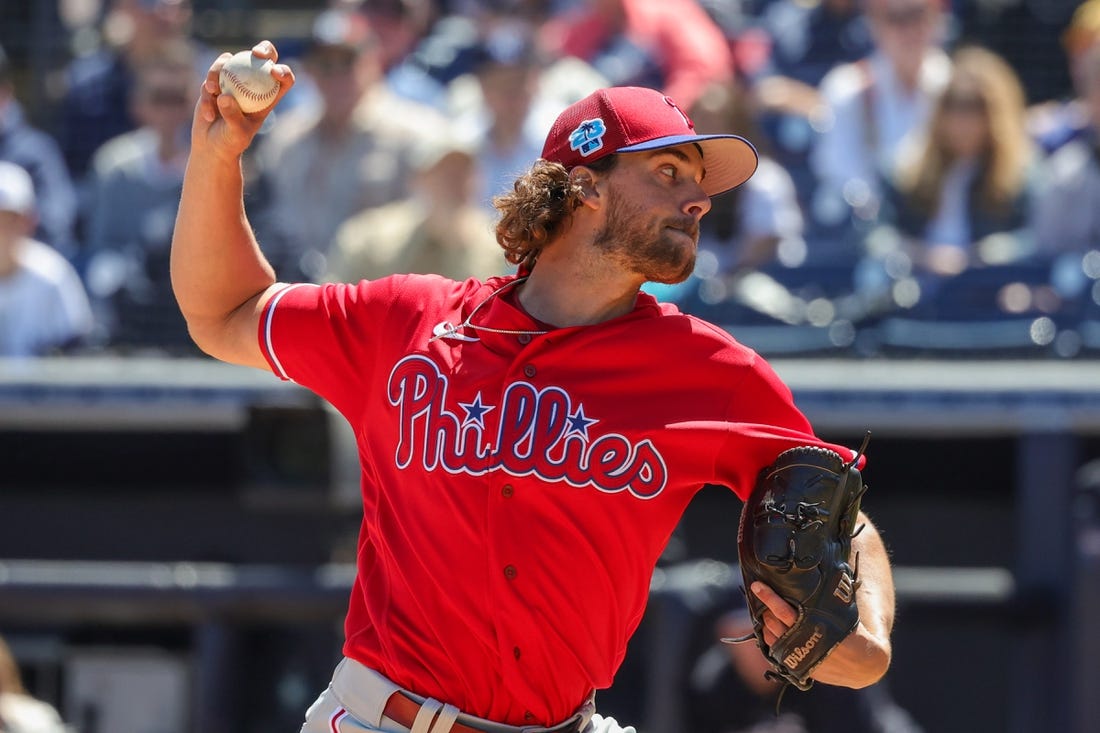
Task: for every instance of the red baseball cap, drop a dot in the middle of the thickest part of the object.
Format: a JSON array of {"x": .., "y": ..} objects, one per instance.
[{"x": 634, "y": 119}]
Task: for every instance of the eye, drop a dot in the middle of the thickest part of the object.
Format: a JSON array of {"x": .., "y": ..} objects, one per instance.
[{"x": 669, "y": 170}]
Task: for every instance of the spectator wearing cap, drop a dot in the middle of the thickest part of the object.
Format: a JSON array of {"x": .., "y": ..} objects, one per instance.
[
  {"x": 39, "y": 154},
  {"x": 670, "y": 45},
  {"x": 439, "y": 229},
  {"x": 43, "y": 306},
  {"x": 322, "y": 164}
]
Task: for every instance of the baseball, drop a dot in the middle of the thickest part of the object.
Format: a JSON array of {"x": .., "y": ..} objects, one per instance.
[{"x": 248, "y": 79}]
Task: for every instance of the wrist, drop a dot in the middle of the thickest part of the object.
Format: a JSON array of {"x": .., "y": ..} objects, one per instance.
[{"x": 212, "y": 162}]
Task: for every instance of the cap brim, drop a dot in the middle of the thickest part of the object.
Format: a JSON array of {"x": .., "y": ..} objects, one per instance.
[{"x": 730, "y": 160}]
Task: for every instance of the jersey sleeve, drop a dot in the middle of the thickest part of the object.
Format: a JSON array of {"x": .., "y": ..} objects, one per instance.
[
  {"x": 325, "y": 337},
  {"x": 763, "y": 422}
]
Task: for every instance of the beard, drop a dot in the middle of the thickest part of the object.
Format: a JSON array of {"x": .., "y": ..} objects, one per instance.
[{"x": 643, "y": 245}]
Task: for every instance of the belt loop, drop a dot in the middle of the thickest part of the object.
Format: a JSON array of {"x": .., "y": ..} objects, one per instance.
[
  {"x": 425, "y": 715},
  {"x": 447, "y": 717}
]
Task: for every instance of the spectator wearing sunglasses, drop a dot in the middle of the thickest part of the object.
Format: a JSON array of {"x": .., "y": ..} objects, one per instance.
[
  {"x": 133, "y": 191},
  {"x": 963, "y": 188}
]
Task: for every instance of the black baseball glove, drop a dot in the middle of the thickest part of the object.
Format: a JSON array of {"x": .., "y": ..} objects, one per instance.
[{"x": 795, "y": 536}]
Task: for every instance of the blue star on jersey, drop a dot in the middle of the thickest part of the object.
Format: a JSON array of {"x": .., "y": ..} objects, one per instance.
[
  {"x": 475, "y": 411},
  {"x": 588, "y": 137},
  {"x": 579, "y": 423}
]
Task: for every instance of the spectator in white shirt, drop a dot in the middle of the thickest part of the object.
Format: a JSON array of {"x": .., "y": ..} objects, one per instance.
[
  {"x": 873, "y": 104},
  {"x": 43, "y": 306}
]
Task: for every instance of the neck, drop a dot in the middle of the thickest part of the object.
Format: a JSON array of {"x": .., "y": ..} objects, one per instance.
[
  {"x": 571, "y": 292},
  {"x": 908, "y": 73}
]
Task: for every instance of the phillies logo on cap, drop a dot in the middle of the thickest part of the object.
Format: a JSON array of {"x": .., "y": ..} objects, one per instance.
[
  {"x": 687, "y": 120},
  {"x": 588, "y": 137}
]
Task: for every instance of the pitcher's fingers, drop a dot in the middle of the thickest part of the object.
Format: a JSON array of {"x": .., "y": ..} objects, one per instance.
[
  {"x": 285, "y": 76},
  {"x": 231, "y": 110},
  {"x": 769, "y": 637},
  {"x": 784, "y": 611},
  {"x": 266, "y": 50},
  {"x": 210, "y": 83},
  {"x": 207, "y": 105},
  {"x": 773, "y": 628}
]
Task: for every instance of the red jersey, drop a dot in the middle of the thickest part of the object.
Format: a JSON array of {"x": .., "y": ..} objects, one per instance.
[{"x": 519, "y": 488}]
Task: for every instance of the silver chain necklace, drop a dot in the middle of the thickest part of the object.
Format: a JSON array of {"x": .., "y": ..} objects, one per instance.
[{"x": 446, "y": 329}]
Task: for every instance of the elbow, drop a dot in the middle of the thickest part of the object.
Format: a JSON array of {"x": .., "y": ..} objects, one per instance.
[{"x": 205, "y": 336}]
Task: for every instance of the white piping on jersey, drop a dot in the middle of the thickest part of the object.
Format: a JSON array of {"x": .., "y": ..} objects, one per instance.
[{"x": 267, "y": 327}]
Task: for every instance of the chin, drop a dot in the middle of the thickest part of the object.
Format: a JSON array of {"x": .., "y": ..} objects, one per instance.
[{"x": 670, "y": 277}]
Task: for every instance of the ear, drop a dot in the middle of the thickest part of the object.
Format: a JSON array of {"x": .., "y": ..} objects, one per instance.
[{"x": 586, "y": 180}]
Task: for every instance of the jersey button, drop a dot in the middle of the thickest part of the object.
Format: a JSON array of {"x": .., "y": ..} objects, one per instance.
[
  {"x": 524, "y": 338},
  {"x": 510, "y": 572},
  {"x": 507, "y": 491},
  {"x": 516, "y": 652},
  {"x": 529, "y": 370},
  {"x": 528, "y": 715}
]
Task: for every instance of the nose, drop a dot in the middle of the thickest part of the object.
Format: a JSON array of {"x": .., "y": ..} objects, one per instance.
[{"x": 697, "y": 202}]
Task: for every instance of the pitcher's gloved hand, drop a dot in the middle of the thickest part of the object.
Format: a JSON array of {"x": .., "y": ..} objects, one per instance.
[{"x": 795, "y": 536}]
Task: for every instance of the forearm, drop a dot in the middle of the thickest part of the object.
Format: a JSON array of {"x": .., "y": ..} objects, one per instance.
[
  {"x": 863, "y": 658},
  {"x": 216, "y": 262}
]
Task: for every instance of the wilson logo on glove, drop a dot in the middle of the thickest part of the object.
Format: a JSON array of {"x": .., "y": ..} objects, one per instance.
[{"x": 803, "y": 651}]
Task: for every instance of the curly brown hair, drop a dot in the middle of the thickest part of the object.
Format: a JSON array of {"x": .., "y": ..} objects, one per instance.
[{"x": 541, "y": 201}]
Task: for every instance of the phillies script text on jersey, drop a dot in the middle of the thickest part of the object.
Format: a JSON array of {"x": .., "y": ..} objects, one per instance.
[{"x": 540, "y": 431}]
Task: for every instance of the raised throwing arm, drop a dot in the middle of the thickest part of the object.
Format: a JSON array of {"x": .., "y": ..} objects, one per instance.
[{"x": 219, "y": 275}]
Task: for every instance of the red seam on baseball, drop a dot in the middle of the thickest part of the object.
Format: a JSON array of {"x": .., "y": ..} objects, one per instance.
[{"x": 239, "y": 86}]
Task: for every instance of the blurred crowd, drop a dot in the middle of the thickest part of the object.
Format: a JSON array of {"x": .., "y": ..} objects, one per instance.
[{"x": 909, "y": 198}]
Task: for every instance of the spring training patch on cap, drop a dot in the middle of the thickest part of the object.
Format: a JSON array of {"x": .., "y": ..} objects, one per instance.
[{"x": 588, "y": 137}]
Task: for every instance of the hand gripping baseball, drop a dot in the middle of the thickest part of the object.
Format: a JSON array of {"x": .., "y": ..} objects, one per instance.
[
  {"x": 795, "y": 536},
  {"x": 221, "y": 126}
]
